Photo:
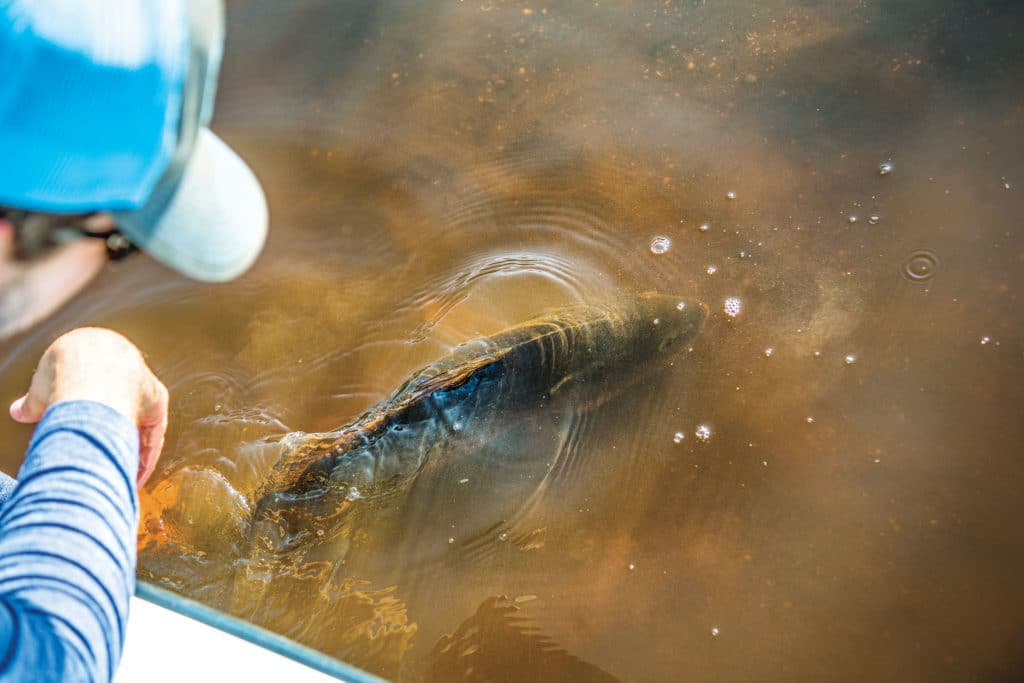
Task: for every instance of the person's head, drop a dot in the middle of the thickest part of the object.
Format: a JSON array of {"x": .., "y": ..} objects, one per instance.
[{"x": 104, "y": 107}]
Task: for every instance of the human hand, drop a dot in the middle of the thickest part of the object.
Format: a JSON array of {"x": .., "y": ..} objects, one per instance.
[
  {"x": 32, "y": 290},
  {"x": 94, "y": 364}
]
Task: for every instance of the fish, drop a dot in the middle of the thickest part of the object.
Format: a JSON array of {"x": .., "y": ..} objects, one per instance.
[{"x": 579, "y": 355}]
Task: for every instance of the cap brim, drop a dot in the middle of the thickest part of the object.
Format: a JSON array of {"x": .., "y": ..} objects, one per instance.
[{"x": 215, "y": 224}]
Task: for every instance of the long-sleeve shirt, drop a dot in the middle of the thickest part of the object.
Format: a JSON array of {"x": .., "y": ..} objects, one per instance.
[{"x": 67, "y": 547}]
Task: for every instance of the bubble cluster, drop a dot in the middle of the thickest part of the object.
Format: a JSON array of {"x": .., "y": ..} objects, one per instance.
[
  {"x": 703, "y": 433},
  {"x": 660, "y": 244},
  {"x": 733, "y": 306},
  {"x": 985, "y": 340},
  {"x": 920, "y": 266}
]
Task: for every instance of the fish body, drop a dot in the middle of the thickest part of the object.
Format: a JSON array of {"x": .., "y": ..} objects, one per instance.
[
  {"x": 328, "y": 486},
  {"x": 480, "y": 379}
]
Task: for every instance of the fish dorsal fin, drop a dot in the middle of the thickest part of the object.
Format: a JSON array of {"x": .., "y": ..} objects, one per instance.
[
  {"x": 448, "y": 378},
  {"x": 298, "y": 451}
]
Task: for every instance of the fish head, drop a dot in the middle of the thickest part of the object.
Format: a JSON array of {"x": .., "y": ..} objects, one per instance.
[{"x": 670, "y": 323}]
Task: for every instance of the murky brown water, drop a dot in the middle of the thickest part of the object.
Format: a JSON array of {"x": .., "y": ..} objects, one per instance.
[{"x": 440, "y": 170}]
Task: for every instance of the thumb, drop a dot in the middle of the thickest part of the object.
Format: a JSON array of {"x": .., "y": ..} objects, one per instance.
[
  {"x": 27, "y": 410},
  {"x": 30, "y": 407}
]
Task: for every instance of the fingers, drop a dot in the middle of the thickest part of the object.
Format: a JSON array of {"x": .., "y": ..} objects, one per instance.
[
  {"x": 151, "y": 442},
  {"x": 152, "y": 427}
]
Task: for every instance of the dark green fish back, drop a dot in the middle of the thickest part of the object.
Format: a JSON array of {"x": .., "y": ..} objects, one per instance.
[{"x": 520, "y": 365}]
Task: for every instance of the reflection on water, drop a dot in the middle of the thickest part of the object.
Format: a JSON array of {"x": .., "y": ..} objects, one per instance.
[{"x": 835, "y": 180}]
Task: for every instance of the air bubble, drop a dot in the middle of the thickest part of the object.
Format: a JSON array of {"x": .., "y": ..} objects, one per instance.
[
  {"x": 874, "y": 218},
  {"x": 681, "y": 305},
  {"x": 678, "y": 438},
  {"x": 712, "y": 269},
  {"x": 733, "y": 306},
  {"x": 704, "y": 227},
  {"x": 768, "y": 352},
  {"x": 810, "y": 420},
  {"x": 703, "y": 433},
  {"x": 920, "y": 266},
  {"x": 730, "y": 195},
  {"x": 451, "y": 540},
  {"x": 885, "y": 168},
  {"x": 851, "y": 219},
  {"x": 985, "y": 340},
  {"x": 850, "y": 359},
  {"x": 715, "y": 631},
  {"x": 660, "y": 244},
  {"x": 503, "y": 536},
  {"x": 632, "y": 566}
]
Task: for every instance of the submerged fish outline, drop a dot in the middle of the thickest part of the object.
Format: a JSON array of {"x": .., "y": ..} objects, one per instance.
[
  {"x": 535, "y": 360},
  {"x": 571, "y": 353}
]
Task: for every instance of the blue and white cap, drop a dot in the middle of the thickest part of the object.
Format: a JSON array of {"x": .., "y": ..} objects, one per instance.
[{"x": 104, "y": 106}]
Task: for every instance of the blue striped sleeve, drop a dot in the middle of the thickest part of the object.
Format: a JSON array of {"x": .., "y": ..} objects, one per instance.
[
  {"x": 6, "y": 486},
  {"x": 67, "y": 547}
]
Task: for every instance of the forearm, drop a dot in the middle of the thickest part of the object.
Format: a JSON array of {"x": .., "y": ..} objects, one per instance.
[{"x": 67, "y": 557}]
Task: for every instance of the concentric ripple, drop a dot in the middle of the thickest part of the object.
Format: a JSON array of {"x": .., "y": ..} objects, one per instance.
[{"x": 920, "y": 266}]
